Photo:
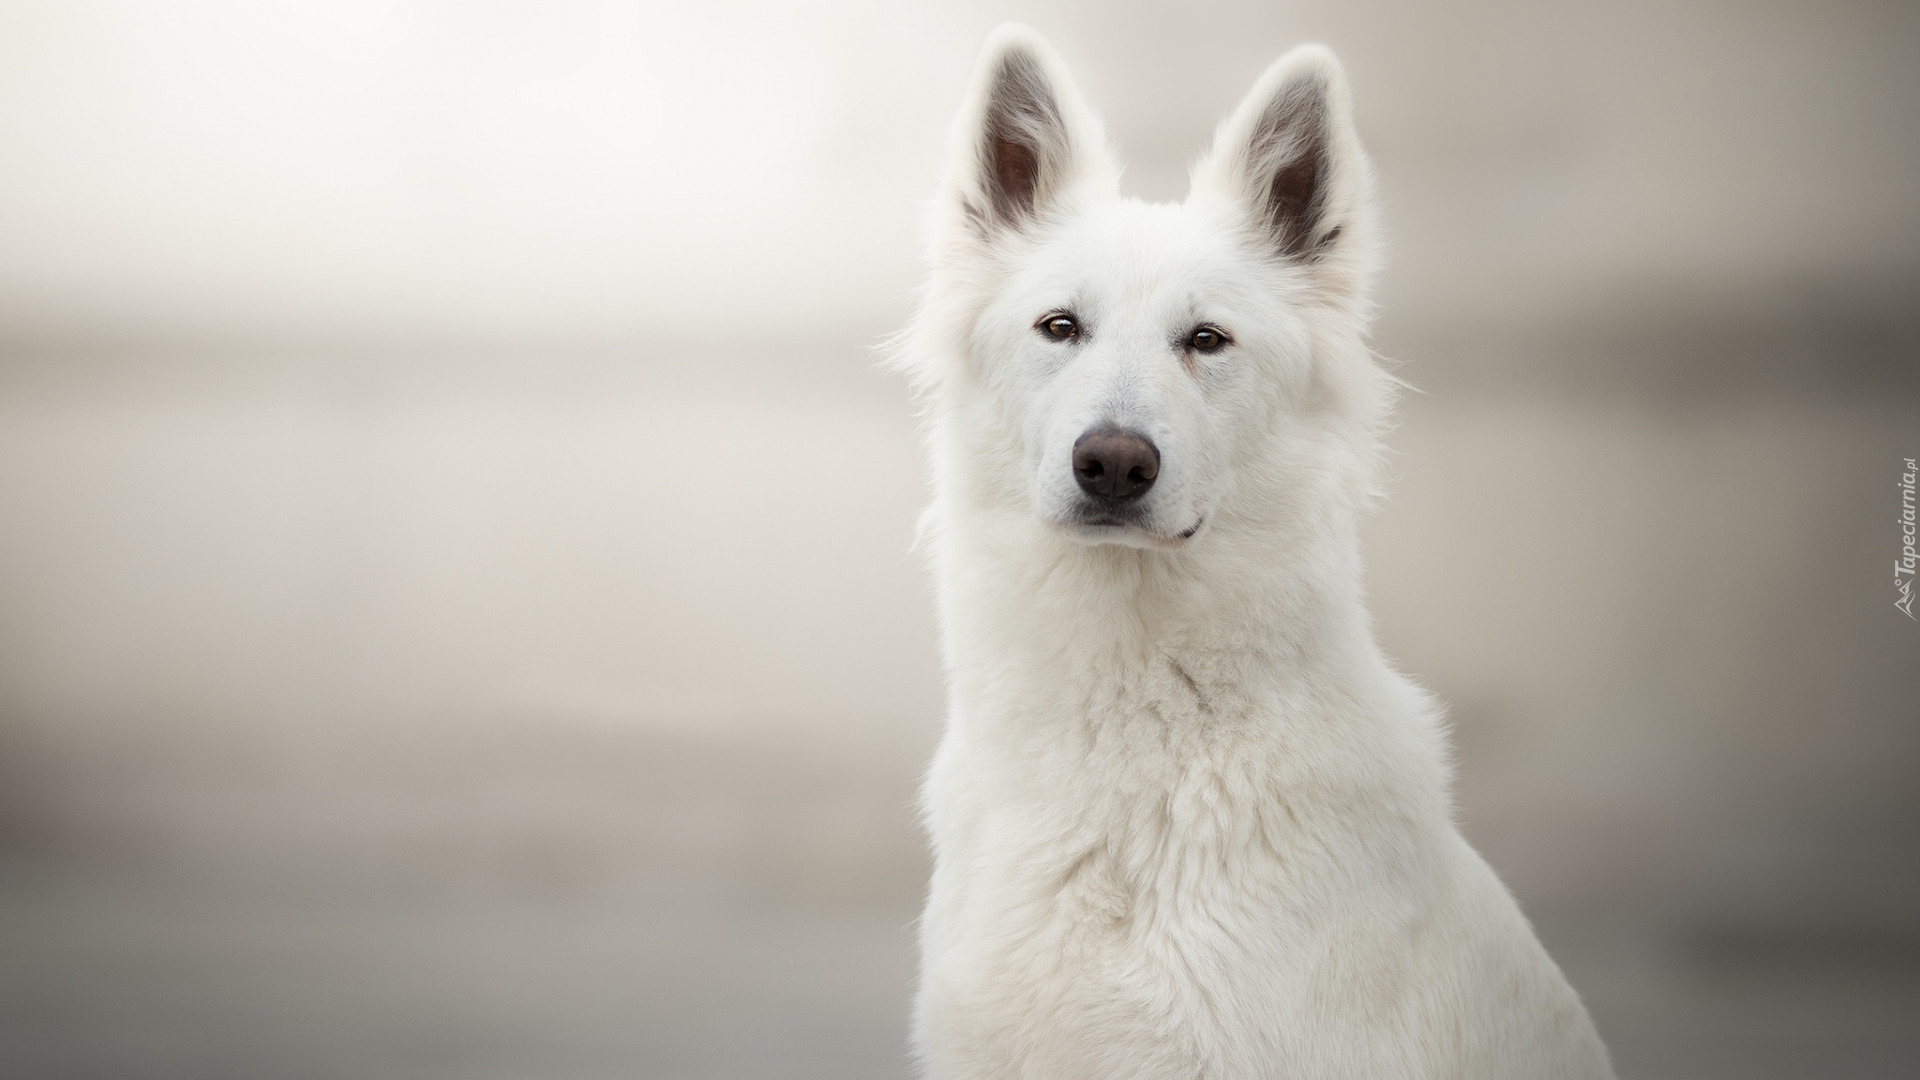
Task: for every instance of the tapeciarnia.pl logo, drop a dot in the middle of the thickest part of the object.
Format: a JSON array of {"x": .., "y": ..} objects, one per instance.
[{"x": 1904, "y": 564}]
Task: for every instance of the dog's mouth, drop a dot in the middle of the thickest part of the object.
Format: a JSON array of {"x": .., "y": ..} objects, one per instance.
[{"x": 1106, "y": 529}]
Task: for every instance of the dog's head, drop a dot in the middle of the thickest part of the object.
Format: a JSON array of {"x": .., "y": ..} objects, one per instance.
[{"x": 1142, "y": 374}]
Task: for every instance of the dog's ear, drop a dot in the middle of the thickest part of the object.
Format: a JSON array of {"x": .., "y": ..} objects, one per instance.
[
  {"x": 1025, "y": 138},
  {"x": 1290, "y": 156}
]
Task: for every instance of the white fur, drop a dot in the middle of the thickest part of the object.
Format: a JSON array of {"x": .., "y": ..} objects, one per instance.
[{"x": 1188, "y": 821}]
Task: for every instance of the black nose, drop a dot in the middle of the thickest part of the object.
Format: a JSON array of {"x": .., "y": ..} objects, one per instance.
[{"x": 1114, "y": 465}]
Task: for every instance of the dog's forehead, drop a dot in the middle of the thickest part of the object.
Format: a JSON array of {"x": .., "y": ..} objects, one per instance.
[{"x": 1131, "y": 252}]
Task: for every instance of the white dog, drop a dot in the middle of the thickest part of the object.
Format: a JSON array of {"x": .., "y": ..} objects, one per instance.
[{"x": 1188, "y": 821}]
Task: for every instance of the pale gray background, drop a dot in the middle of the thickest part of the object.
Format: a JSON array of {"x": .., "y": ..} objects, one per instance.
[{"x": 456, "y": 609}]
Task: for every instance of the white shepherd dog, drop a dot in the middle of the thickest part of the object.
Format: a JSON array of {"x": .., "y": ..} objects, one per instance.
[{"x": 1188, "y": 821}]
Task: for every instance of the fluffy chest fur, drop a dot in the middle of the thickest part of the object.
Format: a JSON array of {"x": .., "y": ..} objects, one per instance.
[{"x": 1178, "y": 850}]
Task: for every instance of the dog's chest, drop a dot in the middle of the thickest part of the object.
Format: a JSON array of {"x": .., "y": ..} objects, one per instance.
[
  {"x": 1141, "y": 937},
  {"x": 1160, "y": 787},
  {"x": 1147, "y": 860},
  {"x": 1155, "y": 859}
]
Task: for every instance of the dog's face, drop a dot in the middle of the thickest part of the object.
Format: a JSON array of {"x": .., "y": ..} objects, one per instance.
[
  {"x": 1132, "y": 350},
  {"x": 1133, "y": 373}
]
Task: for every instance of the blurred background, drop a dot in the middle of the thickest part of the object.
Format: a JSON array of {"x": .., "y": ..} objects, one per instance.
[{"x": 456, "y": 609}]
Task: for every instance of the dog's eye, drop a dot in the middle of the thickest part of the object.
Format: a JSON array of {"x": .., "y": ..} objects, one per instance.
[
  {"x": 1208, "y": 339},
  {"x": 1060, "y": 326}
]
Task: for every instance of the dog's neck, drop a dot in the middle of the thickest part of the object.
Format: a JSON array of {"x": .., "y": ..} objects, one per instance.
[{"x": 1235, "y": 617}]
